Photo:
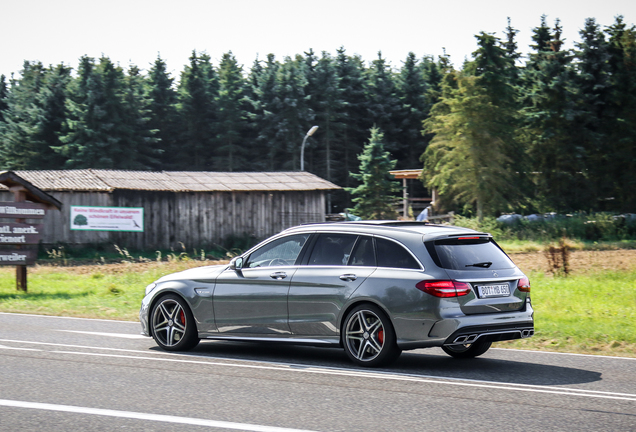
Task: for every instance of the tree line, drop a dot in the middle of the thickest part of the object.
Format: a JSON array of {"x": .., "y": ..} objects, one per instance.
[{"x": 550, "y": 131}]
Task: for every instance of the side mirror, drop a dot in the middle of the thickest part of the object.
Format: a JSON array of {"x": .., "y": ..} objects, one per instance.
[{"x": 236, "y": 263}]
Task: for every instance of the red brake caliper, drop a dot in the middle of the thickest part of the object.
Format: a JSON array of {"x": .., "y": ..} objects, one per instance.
[
  {"x": 182, "y": 317},
  {"x": 381, "y": 336}
]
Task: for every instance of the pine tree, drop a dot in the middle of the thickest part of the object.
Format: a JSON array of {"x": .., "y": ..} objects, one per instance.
[
  {"x": 106, "y": 126},
  {"x": 350, "y": 72},
  {"x": 549, "y": 106},
  {"x": 198, "y": 93},
  {"x": 592, "y": 84},
  {"x": 231, "y": 153},
  {"x": 164, "y": 117},
  {"x": 510, "y": 44},
  {"x": 262, "y": 101},
  {"x": 377, "y": 193},
  {"x": 139, "y": 137},
  {"x": 621, "y": 112},
  {"x": 467, "y": 162},
  {"x": 384, "y": 107},
  {"x": 327, "y": 104},
  {"x": 33, "y": 118},
  {"x": 412, "y": 90},
  {"x": 470, "y": 159},
  {"x": 3, "y": 97},
  {"x": 291, "y": 117}
]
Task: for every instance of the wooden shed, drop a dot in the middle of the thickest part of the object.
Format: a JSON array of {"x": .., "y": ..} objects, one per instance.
[{"x": 197, "y": 209}]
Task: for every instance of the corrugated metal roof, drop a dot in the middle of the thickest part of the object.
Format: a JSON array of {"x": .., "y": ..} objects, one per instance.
[{"x": 96, "y": 180}]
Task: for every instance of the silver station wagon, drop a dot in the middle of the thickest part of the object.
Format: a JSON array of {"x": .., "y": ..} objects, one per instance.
[{"x": 374, "y": 288}]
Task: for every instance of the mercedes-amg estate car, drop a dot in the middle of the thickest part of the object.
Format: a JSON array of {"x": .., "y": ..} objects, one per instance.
[{"x": 372, "y": 288}]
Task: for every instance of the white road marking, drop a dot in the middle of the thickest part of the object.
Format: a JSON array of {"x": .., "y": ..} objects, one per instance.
[
  {"x": 145, "y": 416},
  {"x": 300, "y": 368},
  {"x": 596, "y": 356},
  {"x": 119, "y": 335},
  {"x": 70, "y": 318},
  {"x": 18, "y": 349}
]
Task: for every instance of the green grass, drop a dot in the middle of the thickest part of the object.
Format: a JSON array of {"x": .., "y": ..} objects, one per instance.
[
  {"x": 591, "y": 313},
  {"x": 111, "y": 292},
  {"x": 594, "y": 313}
]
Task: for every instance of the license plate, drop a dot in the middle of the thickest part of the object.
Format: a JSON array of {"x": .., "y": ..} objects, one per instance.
[{"x": 487, "y": 291}]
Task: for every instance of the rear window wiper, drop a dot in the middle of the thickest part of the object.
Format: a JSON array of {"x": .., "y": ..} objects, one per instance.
[{"x": 484, "y": 264}]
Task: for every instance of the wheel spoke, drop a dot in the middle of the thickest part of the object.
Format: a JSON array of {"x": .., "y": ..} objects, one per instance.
[
  {"x": 361, "y": 348},
  {"x": 164, "y": 311},
  {"x": 170, "y": 339},
  {"x": 373, "y": 344}
]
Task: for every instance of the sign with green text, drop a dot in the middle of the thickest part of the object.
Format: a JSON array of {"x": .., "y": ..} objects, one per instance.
[{"x": 87, "y": 218}]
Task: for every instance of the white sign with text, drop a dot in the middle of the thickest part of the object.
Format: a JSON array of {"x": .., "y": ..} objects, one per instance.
[{"x": 89, "y": 218}]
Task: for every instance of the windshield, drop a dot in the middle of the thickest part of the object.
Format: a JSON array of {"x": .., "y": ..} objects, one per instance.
[{"x": 468, "y": 253}]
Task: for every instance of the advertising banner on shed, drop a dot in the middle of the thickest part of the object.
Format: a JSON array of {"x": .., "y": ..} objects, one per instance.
[{"x": 87, "y": 218}]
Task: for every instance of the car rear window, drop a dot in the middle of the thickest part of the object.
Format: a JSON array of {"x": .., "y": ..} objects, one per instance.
[
  {"x": 468, "y": 253},
  {"x": 393, "y": 255}
]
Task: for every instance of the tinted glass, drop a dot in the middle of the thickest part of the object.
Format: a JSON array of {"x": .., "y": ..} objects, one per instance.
[
  {"x": 283, "y": 251},
  {"x": 467, "y": 254},
  {"x": 363, "y": 253},
  {"x": 332, "y": 249},
  {"x": 391, "y": 254}
]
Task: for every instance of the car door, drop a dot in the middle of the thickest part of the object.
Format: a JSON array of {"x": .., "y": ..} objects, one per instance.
[
  {"x": 336, "y": 267},
  {"x": 253, "y": 300}
]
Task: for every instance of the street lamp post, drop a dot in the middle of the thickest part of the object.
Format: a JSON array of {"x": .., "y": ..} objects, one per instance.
[{"x": 310, "y": 132}]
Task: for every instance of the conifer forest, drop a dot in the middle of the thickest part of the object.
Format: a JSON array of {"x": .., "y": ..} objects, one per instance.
[{"x": 539, "y": 130}]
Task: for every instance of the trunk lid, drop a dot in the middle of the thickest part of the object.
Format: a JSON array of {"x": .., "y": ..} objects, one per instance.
[{"x": 480, "y": 262}]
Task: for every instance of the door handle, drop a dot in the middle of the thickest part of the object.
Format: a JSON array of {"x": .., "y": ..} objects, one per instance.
[
  {"x": 348, "y": 277},
  {"x": 278, "y": 275}
]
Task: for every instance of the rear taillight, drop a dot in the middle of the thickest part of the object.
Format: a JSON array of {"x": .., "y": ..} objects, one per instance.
[
  {"x": 523, "y": 284},
  {"x": 443, "y": 288}
]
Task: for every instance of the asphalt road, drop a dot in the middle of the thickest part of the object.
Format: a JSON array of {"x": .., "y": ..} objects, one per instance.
[{"x": 60, "y": 374}]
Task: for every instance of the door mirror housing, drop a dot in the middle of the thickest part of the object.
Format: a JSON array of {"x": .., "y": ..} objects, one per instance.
[{"x": 236, "y": 263}]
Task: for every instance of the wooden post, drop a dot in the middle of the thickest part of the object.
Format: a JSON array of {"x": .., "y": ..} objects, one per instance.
[
  {"x": 405, "y": 200},
  {"x": 19, "y": 195}
]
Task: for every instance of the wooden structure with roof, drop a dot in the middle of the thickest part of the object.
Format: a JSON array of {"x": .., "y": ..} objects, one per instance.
[
  {"x": 197, "y": 209},
  {"x": 411, "y": 174}
]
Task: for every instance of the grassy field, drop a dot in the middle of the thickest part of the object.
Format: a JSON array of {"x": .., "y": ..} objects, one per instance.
[
  {"x": 591, "y": 311},
  {"x": 111, "y": 291}
]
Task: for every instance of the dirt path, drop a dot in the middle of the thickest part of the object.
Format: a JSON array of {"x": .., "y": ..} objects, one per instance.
[{"x": 581, "y": 262}]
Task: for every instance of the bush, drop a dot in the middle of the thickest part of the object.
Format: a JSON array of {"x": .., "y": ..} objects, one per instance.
[{"x": 594, "y": 227}]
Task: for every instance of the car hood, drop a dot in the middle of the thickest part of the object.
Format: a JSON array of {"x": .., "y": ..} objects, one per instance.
[{"x": 198, "y": 273}]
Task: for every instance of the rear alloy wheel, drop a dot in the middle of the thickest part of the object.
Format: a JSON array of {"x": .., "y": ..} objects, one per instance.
[
  {"x": 172, "y": 324},
  {"x": 369, "y": 338},
  {"x": 472, "y": 350}
]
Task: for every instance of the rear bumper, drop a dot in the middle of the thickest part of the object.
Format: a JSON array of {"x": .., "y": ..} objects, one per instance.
[
  {"x": 466, "y": 329},
  {"x": 491, "y": 333}
]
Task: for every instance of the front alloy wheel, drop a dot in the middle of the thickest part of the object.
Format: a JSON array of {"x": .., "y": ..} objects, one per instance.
[
  {"x": 172, "y": 324},
  {"x": 369, "y": 338}
]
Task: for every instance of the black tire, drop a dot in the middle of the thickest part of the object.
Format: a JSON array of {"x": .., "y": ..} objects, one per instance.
[
  {"x": 368, "y": 337},
  {"x": 472, "y": 350},
  {"x": 172, "y": 324}
]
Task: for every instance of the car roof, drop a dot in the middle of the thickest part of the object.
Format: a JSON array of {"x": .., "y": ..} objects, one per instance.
[{"x": 387, "y": 227}]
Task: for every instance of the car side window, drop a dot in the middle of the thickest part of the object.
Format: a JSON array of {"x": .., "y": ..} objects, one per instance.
[
  {"x": 363, "y": 253},
  {"x": 394, "y": 255},
  {"x": 332, "y": 249},
  {"x": 282, "y": 251}
]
